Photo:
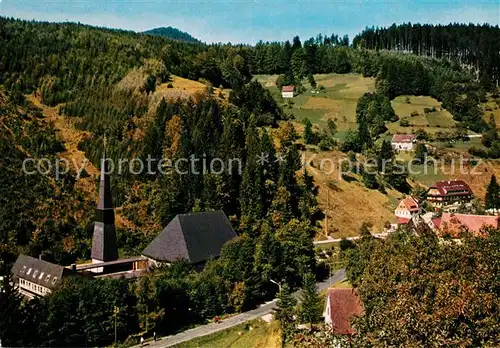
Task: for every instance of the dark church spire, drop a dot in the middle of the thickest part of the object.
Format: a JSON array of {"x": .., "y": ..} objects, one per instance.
[{"x": 104, "y": 239}]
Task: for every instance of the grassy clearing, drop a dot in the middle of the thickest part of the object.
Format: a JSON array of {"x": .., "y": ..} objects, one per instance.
[
  {"x": 492, "y": 108},
  {"x": 459, "y": 146},
  {"x": 406, "y": 106},
  {"x": 337, "y": 101},
  {"x": 182, "y": 88},
  {"x": 426, "y": 175},
  {"x": 254, "y": 334},
  {"x": 348, "y": 204}
]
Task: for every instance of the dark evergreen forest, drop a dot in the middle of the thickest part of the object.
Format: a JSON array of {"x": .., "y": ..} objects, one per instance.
[{"x": 475, "y": 47}]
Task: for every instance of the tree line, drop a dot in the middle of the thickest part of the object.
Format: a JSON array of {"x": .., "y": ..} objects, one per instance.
[{"x": 474, "y": 46}]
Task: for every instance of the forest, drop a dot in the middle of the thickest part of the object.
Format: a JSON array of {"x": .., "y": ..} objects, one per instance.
[
  {"x": 473, "y": 46},
  {"x": 104, "y": 82}
]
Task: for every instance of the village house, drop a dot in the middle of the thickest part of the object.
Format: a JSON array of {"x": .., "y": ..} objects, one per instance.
[
  {"x": 35, "y": 277},
  {"x": 287, "y": 91},
  {"x": 194, "y": 237},
  {"x": 453, "y": 224},
  {"x": 403, "y": 142},
  {"x": 449, "y": 195},
  {"x": 341, "y": 306},
  {"x": 407, "y": 209}
]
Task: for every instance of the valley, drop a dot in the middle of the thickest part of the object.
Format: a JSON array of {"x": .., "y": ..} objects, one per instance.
[{"x": 225, "y": 181}]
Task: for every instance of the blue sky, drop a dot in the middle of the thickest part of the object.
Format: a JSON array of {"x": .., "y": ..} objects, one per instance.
[{"x": 250, "y": 21}]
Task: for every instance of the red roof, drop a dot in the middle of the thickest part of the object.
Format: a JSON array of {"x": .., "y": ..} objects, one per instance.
[
  {"x": 411, "y": 204},
  {"x": 403, "y": 221},
  {"x": 403, "y": 138},
  {"x": 455, "y": 223},
  {"x": 436, "y": 222},
  {"x": 345, "y": 304},
  {"x": 288, "y": 88},
  {"x": 453, "y": 187}
]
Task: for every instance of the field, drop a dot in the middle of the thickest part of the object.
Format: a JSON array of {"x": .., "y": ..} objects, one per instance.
[
  {"x": 492, "y": 107},
  {"x": 438, "y": 121},
  {"x": 337, "y": 101},
  {"x": 348, "y": 203},
  {"x": 254, "y": 334}
]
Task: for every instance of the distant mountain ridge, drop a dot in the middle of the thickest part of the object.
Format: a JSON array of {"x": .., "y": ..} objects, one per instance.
[{"x": 172, "y": 33}]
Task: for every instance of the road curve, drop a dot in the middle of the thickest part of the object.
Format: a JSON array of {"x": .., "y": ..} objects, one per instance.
[{"x": 211, "y": 328}]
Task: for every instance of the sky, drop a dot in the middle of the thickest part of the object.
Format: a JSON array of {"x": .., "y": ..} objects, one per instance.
[{"x": 245, "y": 21}]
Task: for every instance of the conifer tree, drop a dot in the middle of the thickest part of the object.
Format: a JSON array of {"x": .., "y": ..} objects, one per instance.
[
  {"x": 308, "y": 132},
  {"x": 385, "y": 155},
  {"x": 310, "y": 79},
  {"x": 364, "y": 136},
  {"x": 492, "y": 199},
  {"x": 11, "y": 330},
  {"x": 310, "y": 306},
  {"x": 251, "y": 191},
  {"x": 420, "y": 152},
  {"x": 285, "y": 314}
]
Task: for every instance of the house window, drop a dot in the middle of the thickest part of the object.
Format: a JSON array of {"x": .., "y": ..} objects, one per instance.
[
  {"x": 29, "y": 271},
  {"x": 23, "y": 270},
  {"x": 54, "y": 280},
  {"x": 41, "y": 276},
  {"x": 47, "y": 278},
  {"x": 35, "y": 273}
]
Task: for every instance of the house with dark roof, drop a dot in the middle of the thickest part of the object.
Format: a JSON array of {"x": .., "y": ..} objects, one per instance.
[
  {"x": 35, "y": 277},
  {"x": 194, "y": 237},
  {"x": 449, "y": 194},
  {"x": 342, "y": 305}
]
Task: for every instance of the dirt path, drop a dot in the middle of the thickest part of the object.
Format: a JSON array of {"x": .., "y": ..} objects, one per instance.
[{"x": 70, "y": 137}]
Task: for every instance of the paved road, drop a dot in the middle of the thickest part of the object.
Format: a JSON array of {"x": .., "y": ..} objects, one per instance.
[
  {"x": 331, "y": 240},
  {"x": 233, "y": 321}
]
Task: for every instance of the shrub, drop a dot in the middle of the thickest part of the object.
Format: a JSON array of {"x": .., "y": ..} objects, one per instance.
[{"x": 324, "y": 145}]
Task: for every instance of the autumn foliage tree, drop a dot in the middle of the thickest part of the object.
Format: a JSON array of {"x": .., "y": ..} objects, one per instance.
[{"x": 437, "y": 293}]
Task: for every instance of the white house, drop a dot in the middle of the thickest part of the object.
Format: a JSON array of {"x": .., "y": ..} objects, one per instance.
[
  {"x": 403, "y": 142},
  {"x": 35, "y": 277},
  {"x": 287, "y": 91},
  {"x": 408, "y": 208}
]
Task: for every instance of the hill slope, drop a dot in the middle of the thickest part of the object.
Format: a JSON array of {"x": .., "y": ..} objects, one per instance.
[{"x": 172, "y": 33}]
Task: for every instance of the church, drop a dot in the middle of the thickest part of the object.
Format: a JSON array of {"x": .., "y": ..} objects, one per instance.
[{"x": 194, "y": 237}]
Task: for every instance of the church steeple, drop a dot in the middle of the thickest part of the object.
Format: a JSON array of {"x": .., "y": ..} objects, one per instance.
[{"x": 104, "y": 239}]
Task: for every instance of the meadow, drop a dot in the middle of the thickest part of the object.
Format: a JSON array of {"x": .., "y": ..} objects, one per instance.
[
  {"x": 412, "y": 108},
  {"x": 337, "y": 100},
  {"x": 254, "y": 334}
]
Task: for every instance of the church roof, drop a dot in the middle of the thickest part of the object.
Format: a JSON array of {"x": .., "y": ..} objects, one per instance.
[
  {"x": 104, "y": 246},
  {"x": 37, "y": 271},
  {"x": 195, "y": 237}
]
